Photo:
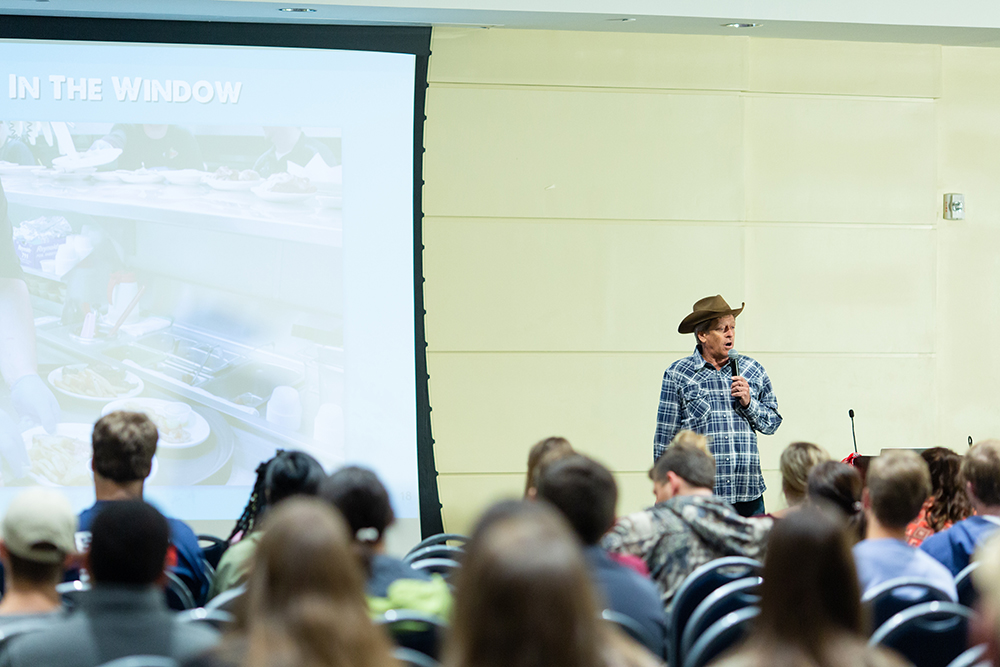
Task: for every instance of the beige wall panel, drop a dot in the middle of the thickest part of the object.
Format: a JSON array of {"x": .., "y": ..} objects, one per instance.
[
  {"x": 773, "y": 498},
  {"x": 488, "y": 409},
  {"x": 464, "y": 497},
  {"x": 844, "y": 68},
  {"x": 892, "y": 397},
  {"x": 969, "y": 131},
  {"x": 813, "y": 159},
  {"x": 571, "y": 58},
  {"x": 537, "y": 285},
  {"x": 969, "y": 358},
  {"x": 635, "y": 492},
  {"x": 840, "y": 289},
  {"x": 583, "y": 154}
]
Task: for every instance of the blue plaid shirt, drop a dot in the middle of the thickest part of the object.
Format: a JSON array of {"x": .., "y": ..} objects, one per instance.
[{"x": 696, "y": 396}]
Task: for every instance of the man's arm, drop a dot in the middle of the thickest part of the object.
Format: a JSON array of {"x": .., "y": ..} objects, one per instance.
[
  {"x": 762, "y": 413},
  {"x": 668, "y": 415}
]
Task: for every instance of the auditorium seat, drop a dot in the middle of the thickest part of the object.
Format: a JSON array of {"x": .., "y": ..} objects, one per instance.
[
  {"x": 443, "y": 566},
  {"x": 931, "y": 634},
  {"x": 722, "y": 635},
  {"x": 142, "y": 661},
  {"x": 695, "y": 588},
  {"x": 411, "y": 658},
  {"x": 972, "y": 657},
  {"x": 435, "y": 551},
  {"x": 227, "y": 600},
  {"x": 966, "y": 587},
  {"x": 217, "y": 618},
  {"x": 727, "y": 598},
  {"x": 440, "y": 538},
  {"x": 893, "y": 596},
  {"x": 415, "y": 630},
  {"x": 633, "y": 629}
]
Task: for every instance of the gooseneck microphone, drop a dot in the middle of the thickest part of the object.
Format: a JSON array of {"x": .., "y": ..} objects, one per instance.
[
  {"x": 734, "y": 359},
  {"x": 850, "y": 413}
]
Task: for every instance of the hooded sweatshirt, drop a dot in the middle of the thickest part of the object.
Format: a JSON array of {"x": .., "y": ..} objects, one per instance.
[{"x": 679, "y": 535}]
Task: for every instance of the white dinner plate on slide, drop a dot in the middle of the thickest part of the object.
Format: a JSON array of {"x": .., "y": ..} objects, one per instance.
[
  {"x": 191, "y": 433},
  {"x": 55, "y": 377},
  {"x": 230, "y": 186},
  {"x": 282, "y": 197},
  {"x": 63, "y": 458},
  {"x": 94, "y": 158},
  {"x": 184, "y": 176},
  {"x": 138, "y": 177}
]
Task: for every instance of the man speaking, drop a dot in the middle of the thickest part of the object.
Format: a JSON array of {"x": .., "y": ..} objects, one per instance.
[{"x": 724, "y": 395}]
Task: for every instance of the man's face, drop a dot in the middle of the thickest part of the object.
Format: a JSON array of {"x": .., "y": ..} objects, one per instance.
[{"x": 717, "y": 341}]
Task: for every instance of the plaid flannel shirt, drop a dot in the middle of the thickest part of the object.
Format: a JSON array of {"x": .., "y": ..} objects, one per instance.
[{"x": 696, "y": 396}]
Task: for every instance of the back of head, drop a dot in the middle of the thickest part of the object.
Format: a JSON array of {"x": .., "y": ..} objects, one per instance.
[
  {"x": 291, "y": 474},
  {"x": 981, "y": 469},
  {"x": 549, "y": 449},
  {"x": 796, "y": 462},
  {"x": 951, "y": 503},
  {"x": 810, "y": 587},
  {"x": 362, "y": 500},
  {"x": 38, "y": 532},
  {"x": 839, "y": 485},
  {"x": 584, "y": 491},
  {"x": 898, "y": 484},
  {"x": 124, "y": 444},
  {"x": 305, "y": 595},
  {"x": 128, "y": 545},
  {"x": 688, "y": 458},
  {"x": 523, "y": 595}
]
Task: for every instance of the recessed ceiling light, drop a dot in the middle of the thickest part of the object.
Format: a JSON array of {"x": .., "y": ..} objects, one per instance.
[
  {"x": 296, "y": 9},
  {"x": 741, "y": 25},
  {"x": 621, "y": 20}
]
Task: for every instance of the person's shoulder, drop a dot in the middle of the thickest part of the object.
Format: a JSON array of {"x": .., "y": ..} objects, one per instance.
[{"x": 685, "y": 364}]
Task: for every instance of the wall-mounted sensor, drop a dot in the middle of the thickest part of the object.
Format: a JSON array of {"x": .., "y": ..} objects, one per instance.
[{"x": 954, "y": 206}]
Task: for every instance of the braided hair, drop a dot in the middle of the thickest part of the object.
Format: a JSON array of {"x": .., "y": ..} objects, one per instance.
[{"x": 255, "y": 505}]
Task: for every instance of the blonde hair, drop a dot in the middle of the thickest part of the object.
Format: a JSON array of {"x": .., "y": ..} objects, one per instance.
[
  {"x": 689, "y": 438},
  {"x": 986, "y": 578},
  {"x": 796, "y": 462}
]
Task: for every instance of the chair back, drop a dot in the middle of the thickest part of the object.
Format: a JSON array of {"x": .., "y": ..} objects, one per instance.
[
  {"x": 217, "y": 618},
  {"x": 227, "y": 600},
  {"x": 411, "y": 658},
  {"x": 722, "y": 635},
  {"x": 212, "y": 548},
  {"x": 695, "y": 588},
  {"x": 891, "y": 597},
  {"x": 435, "y": 551},
  {"x": 415, "y": 630},
  {"x": 727, "y": 598},
  {"x": 633, "y": 629},
  {"x": 179, "y": 596},
  {"x": 931, "y": 634},
  {"x": 142, "y": 661},
  {"x": 443, "y": 566},
  {"x": 967, "y": 594},
  {"x": 972, "y": 657},
  {"x": 440, "y": 538}
]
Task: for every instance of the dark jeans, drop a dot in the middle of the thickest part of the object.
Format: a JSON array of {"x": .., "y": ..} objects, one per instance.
[{"x": 750, "y": 507}]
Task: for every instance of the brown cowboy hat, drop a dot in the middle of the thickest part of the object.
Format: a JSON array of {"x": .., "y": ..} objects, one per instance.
[{"x": 707, "y": 309}]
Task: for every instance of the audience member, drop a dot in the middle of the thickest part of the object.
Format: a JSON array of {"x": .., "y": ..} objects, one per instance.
[
  {"x": 524, "y": 598},
  {"x": 125, "y": 612},
  {"x": 391, "y": 583},
  {"x": 840, "y": 485},
  {"x": 549, "y": 449},
  {"x": 124, "y": 444},
  {"x": 810, "y": 608},
  {"x": 688, "y": 526},
  {"x": 305, "y": 601},
  {"x": 985, "y": 625},
  {"x": 796, "y": 462},
  {"x": 585, "y": 493},
  {"x": 948, "y": 503},
  {"x": 287, "y": 474},
  {"x": 898, "y": 484},
  {"x": 980, "y": 472},
  {"x": 36, "y": 547}
]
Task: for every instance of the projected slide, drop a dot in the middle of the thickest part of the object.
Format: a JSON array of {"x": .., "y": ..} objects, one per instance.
[{"x": 220, "y": 237}]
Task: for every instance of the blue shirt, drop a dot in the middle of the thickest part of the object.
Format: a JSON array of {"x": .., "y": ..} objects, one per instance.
[
  {"x": 883, "y": 559},
  {"x": 698, "y": 397},
  {"x": 954, "y": 547}
]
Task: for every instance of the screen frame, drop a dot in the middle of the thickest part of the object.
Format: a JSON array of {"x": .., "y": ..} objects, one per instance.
[{"x": 413, "y": 40}]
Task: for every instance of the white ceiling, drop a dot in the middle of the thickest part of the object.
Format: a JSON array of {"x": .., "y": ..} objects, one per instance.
[{"x": 955, "y": 22}]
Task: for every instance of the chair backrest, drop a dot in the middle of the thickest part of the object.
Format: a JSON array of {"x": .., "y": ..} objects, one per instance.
[
  {"x": 891, "y": 597},
  {"x": 696, "y": 588},
  {"x": 227, "y": 600},
  {"x": 217, "y": 618},
  {"x": 142, "y": 661},
  {"x": 722, "y": 635},
  {"x": 212, "y": 547},
  {"x": 411, "y": 658},
  {"x": 931, "y": 634},
  {"x": 972, "y": 657},
  {"x": 443, "y": 566},
  {"x": 727, "y": 598},
  {"x": 967, "y": 594},
  {"x": 179, "y": 596},
  {"x": 435, "y": 551},
  {"x": 633, "y": 629},
  {"x": 415, "y": 630},
  {"x": 440, "y": 538}
]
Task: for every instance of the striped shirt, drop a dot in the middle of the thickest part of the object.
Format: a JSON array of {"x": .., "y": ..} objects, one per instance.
[{"x": 696, "y": 396}]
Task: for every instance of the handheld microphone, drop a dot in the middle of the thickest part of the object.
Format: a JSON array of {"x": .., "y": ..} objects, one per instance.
[
  {"x": 734, "y": 359},
  {"x": 850, "y": 413},
  {"x": 970, "y": 441}
]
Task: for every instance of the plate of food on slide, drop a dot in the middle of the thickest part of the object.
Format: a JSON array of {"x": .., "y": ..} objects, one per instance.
[
  {"x": 185, "y": 177},
  {"x": 285, "y": 188},
  {"x": 225, "y": 178},
  {"x": 95, "y": 158},
  {"x": 63, "y": 458},
  {"x": 95, "y": 382},
  {"x": 179, "y": 426}
]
